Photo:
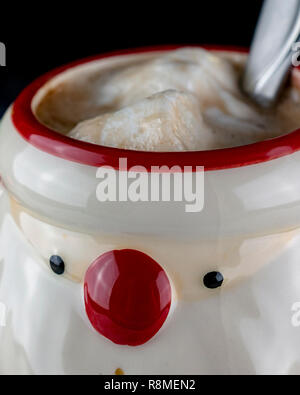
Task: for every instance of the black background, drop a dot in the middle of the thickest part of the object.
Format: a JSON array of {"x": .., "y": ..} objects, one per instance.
[{"x": 51, "y": 34}]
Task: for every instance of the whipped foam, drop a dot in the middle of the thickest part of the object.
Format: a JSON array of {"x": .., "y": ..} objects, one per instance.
[{"x": 183, "y": 100}]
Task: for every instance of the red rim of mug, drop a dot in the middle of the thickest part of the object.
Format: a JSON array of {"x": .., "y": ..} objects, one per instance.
[{"x": 70, "y": 149}]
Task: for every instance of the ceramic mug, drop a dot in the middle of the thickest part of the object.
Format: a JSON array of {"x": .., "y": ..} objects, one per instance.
[{"x": 132, "y": 295}]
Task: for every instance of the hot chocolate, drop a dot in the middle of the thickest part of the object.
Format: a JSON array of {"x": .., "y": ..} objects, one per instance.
[{"x": 183, "y": 100}]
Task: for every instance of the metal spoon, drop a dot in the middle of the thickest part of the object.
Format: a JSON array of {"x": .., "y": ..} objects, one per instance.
[{"x": 271, "y": 54}]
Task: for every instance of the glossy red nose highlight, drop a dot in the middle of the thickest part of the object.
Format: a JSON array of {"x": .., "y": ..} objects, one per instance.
[{"x": 127, "y": 296}]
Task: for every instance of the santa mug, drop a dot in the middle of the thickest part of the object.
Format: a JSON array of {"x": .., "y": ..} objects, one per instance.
[{"x": 137, "y": 286}]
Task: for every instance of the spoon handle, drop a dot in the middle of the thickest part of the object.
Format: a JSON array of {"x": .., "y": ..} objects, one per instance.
[{"x": 271, "y": 51}]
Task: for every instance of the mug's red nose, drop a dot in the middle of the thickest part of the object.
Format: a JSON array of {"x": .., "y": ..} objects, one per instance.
[{"x": 127, "y": 296}]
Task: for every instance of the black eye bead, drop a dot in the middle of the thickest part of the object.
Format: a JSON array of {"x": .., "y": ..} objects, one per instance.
[
  {"x": 213, "y": 280},
  {"x": 57, "y": 264}
]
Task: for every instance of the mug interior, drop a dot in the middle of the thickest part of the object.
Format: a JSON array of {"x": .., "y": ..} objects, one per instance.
[{"x": 49, "y": 134}]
